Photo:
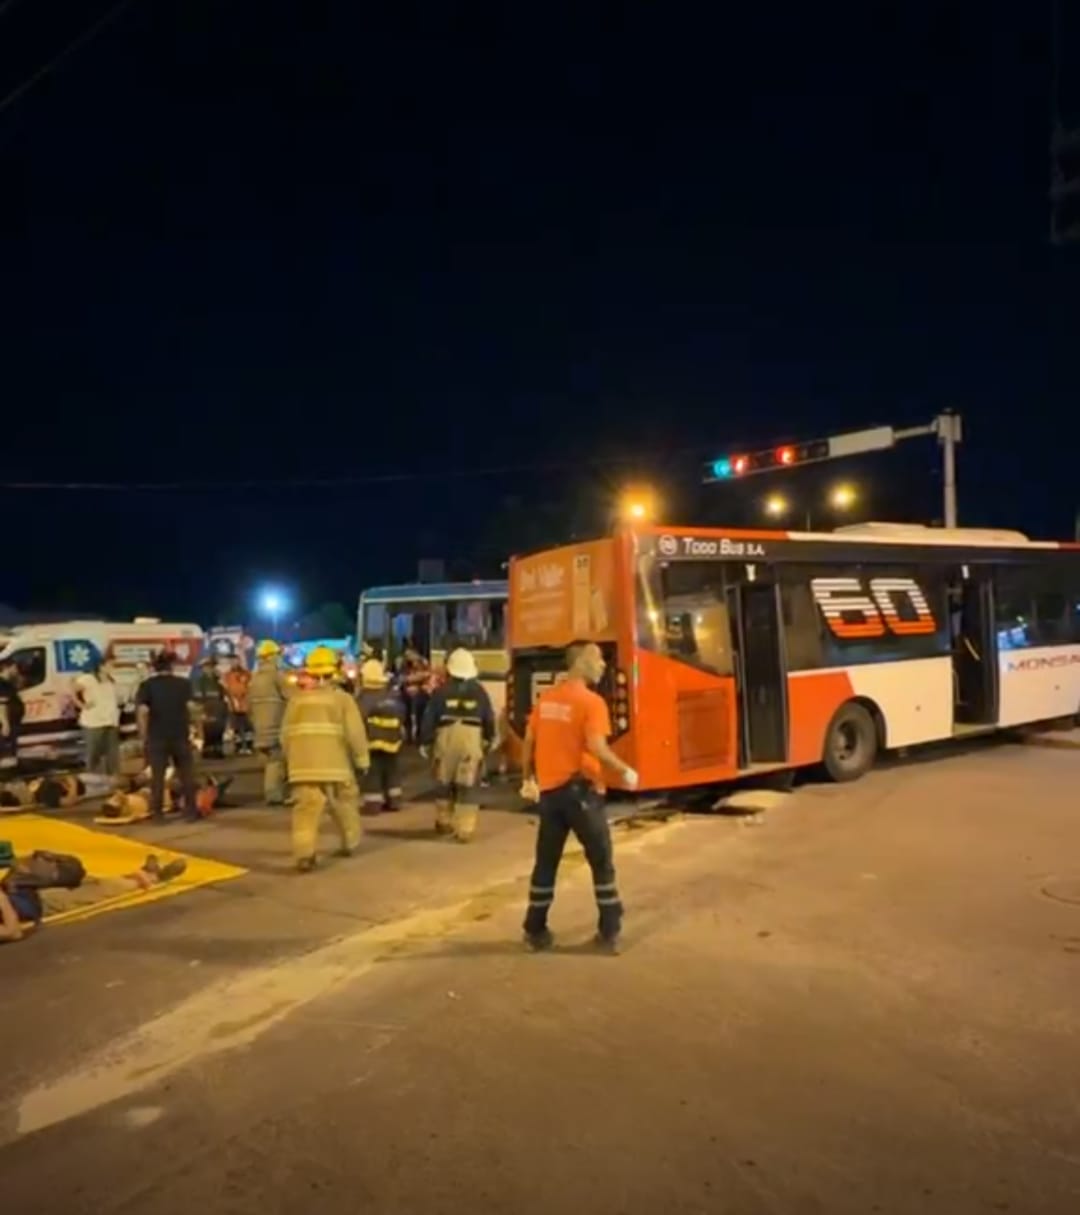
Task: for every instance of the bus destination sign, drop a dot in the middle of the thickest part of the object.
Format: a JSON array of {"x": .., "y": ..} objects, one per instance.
[{"x": 704, "y": 548}]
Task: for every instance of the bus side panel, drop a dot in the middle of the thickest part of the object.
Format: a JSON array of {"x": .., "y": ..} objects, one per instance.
[
  {"x": 813, "y": 698},
  {"x": 914, "y": 697},
  {"x": 1038, "y": 684},
  {"x": 685, "y": 724}
]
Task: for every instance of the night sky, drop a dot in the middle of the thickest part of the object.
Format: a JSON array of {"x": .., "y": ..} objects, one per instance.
[{"x": 476, "y": 266}]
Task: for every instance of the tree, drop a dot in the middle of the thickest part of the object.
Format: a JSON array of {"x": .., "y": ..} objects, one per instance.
[{"x": 327, "y": 620}]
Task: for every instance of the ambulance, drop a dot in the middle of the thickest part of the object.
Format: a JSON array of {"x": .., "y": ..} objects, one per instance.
[{"x": 50, "y": 657}]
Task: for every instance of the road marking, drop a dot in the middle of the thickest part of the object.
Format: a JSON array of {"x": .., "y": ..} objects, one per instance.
[
  {"x": 107, "y": 855},
  {"x": 236, "y": 1011}
]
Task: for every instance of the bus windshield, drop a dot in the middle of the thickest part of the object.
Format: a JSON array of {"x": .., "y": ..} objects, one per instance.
[{"x": 682, "y": 613}]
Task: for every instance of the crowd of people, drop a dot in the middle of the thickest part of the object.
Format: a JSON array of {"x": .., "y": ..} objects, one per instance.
[{"x": 329, "y": 746}]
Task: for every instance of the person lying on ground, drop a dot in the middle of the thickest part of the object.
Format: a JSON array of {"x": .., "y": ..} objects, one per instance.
[{"x": 25, "y": 902}]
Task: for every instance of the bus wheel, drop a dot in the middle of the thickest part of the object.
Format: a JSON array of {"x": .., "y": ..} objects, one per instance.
[{"x": 851, "y": 743}]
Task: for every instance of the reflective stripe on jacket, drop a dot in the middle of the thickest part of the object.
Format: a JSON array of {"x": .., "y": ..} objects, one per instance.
[
  {"x": 384, "y": 718},
  {"x": 323, "y": 737},
  {"x": 463, "y": 701}
]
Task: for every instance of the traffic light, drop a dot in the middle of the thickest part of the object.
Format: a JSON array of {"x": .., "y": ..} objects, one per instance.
[{"x": 789, "y": 455}]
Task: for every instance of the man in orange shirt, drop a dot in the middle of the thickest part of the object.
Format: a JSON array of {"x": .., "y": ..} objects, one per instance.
[{"x": 566, "y": 747}]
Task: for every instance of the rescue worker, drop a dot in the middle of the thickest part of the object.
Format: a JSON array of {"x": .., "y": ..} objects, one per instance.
[
  {"x": 565, "y": 752},
  {"x": 460, "y": 723},
  {"x": 208, "y": 698},
  {"x": 12, "y": 712},
  {"x": 384, "y": 720},
  {"x": 325, "y": 746},
  {"x": 344, "y": 678},
  {"x": 268, "y": 693}
]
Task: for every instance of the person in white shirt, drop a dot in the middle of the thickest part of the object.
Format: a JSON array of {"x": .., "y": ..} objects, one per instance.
[{"x": 99, "y": 716}]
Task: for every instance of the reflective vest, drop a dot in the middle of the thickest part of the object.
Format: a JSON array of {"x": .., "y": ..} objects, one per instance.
[{"x": 384, "y": 717}]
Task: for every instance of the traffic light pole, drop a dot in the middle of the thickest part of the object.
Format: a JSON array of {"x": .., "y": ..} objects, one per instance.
[{"x": 946, "y": 426}]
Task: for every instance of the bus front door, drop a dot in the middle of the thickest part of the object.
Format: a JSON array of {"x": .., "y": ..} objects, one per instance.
[{"x": 757, "y": 636}]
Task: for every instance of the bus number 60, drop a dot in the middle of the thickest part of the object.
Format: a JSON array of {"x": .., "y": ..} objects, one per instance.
[{"x": 853, "y": 614}]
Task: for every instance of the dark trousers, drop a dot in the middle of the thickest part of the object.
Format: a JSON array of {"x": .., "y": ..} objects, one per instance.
[
  {"x": 414, "y": 715},
  {"x": 241, "y": 728},
  {"x": 575, "y": 807},
  {"x": 382, "y": 784},
  {"x": 177, "y": 751}
]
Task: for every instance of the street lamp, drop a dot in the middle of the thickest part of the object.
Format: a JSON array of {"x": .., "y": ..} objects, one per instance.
[
  {"x": 272, "y": 604},
  {"x": 639, "y": 504},
  {"x": 843, "y": 497}
]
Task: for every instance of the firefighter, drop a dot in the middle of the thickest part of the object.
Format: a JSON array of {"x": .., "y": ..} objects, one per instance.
[
  {"x": 268, "y": 693},
  {"x": 567, "y": 738},
  {"x": 460, "y": 723},
  {"x": 384, "y": 720},
  {"x": 325, "y": 746},
  {"x": 208, "y": 697}
]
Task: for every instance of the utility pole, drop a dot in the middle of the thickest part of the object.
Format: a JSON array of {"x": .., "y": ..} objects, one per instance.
[{"x": 946, "y": 427}]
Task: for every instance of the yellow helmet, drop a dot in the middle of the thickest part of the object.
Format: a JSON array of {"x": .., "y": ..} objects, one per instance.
[
  {"x": 321, "y": 662},
  {"x": 268, "y": 649}
]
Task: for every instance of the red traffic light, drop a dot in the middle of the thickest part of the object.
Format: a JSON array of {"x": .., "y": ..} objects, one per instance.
[
  {"x": 740, "y": 464},
  {"x": 785, "y": 455}
]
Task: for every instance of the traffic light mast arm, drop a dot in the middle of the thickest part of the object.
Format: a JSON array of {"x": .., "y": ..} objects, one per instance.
[{"x": 852, "y": 443}]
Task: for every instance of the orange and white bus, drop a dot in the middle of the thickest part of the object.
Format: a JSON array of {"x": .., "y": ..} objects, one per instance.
[{"x": 735, "y": 652}]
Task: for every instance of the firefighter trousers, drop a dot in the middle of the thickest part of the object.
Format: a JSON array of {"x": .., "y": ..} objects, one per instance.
[
  {"x": 311, "y": 801},
  {"x": 382, "y": 784},
  {"x": 273, "y": 775},
  {"x": 574, "y": 807}
]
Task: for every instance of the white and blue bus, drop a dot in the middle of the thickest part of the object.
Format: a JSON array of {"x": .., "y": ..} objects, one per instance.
[{"x": 437, "y": 617}]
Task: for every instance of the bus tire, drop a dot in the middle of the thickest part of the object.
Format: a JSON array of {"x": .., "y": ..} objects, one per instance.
[{"x": 851, "y": 743}]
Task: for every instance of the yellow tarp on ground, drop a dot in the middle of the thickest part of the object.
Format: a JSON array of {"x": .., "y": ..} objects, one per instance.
[{"x": 107, "y": 855}]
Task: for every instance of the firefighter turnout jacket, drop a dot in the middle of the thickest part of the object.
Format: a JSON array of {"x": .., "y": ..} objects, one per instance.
[
  {"x": 268, "y": 693},
  {"x": 324, "y": 737},
  {"x": 458, "y": 702},
  {"x": 384, "y": 719}
]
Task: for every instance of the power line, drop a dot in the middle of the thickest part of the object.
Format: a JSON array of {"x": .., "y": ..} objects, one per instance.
[
  {"x": 76, "y": 44},
  {"x": 448, "y": 474}
]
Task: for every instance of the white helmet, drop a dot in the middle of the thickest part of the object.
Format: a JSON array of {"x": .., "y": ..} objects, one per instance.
[
  {"x": 373, "y": 674},
  {"x": 461, "y": 665}
]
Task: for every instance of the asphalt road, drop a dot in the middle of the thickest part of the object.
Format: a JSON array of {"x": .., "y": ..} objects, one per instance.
[{"x": 864, "y": 999}]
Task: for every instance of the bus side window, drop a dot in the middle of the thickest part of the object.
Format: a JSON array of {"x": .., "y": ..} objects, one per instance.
[
  {"x": 497, "y": 625},
  {"x": 1052, "y": 623},
  {"x": 802, "y": 625},
  {"x": 1031, "y": 607}
]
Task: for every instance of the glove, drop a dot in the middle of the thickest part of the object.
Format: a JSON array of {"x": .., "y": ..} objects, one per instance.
[
  {"x": 530, "y": 790},
  {"x": 630, "y": 778}
]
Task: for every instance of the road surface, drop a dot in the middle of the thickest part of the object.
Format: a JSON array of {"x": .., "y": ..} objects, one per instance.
[{"x": 864, "y": 999}]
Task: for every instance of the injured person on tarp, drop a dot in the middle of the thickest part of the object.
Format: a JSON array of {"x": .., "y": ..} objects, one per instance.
[{"x": 48, "y": 883}]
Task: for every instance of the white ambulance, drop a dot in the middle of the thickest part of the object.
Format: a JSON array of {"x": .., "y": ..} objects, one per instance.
[{"x": 50, "y": 657}]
